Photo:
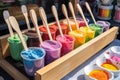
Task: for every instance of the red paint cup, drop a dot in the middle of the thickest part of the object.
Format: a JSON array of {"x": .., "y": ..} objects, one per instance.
[
  {"x": 63, "y": 26},
  {"x": 44, "y": 32}
]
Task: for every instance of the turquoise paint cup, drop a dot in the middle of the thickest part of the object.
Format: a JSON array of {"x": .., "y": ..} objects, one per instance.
[{"x": 33, "y": 59}]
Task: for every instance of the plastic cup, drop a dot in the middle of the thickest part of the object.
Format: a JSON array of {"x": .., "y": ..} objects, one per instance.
[
  {"x": 33, "y": 59},
  {"x": 104, "y": 24},
  {"x": 114, "y": 51},
  {"x": 89, "y": 33},
  {"x": 33, "y": 40},
  {"x": 53, "y": 50},
  {"x": 44, "y": 32},
  {"x": 16, "y": 46},
  {"x": 81, "y": 22},
  {"x": 64, "y": 28},
  {"x": 67, "y": 43},
  {"x": 97, "y": 28},
  {"x": 72, "y": 23},
  {"x": 79, "y": 36}
]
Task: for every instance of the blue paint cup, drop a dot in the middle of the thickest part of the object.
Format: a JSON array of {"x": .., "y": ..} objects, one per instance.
[{"x": 33, "y": 59}]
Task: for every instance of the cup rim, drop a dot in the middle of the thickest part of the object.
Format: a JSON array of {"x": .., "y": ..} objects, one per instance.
[
  {"x": 44, "y": 53},
  {"x": 53, "y": 41},
  {"x": 26, "y": 38},
  {"x": 31, "y": 36},
  {"x": 73, "y": 39},
  {"x": 53, "y": 32}
]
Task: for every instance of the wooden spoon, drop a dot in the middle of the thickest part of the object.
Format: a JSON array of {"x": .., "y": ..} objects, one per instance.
[
  {"x": 44, "y": 19},
  {"x": 81, "y": 12},
  {"x": 34, "y": 20},
  {"x": 73, "y": 14},
  {"x": 54, "y": 11},
  {"x": 64, "y": 10},
  {"x": 6, "y": 16},
  {"x": 89, "y": 9},
  {"x": 24, "y": 11},
  {"x": 15, "y": 26}
]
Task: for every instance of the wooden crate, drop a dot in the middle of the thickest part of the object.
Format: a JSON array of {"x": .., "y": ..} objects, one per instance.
[{"x": 62, "y": 66}]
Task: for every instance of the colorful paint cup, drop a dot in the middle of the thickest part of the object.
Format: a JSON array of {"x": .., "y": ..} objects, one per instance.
[
  {"x": 53, "y": 50},
  {"x": 104, "y": 12},
  {"x": 88, "y": 32},
  {"x": 72, "y": 23},
  {"x": 33, "y": 40},
  {"x": 79, "y": 36},
  {"x": 44, "y": 32},
  {"x": 64, "y": 28},
  {"x": 33, "y": 59},
  {"x": 16, "y": 46},
  {"x": 67, "y": 42},
  {"x": 117, "y": 14},
  {"x": 97, "y": 28},
  {"x": 81, "y": 22},
  {"x": 104, "y": 24}
]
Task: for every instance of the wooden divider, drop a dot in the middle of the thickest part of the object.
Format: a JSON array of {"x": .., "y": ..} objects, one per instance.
[{"x": 62, "y": 66}]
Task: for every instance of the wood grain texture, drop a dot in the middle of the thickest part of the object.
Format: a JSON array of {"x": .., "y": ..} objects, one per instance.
[{"x": 62, "y": 66}]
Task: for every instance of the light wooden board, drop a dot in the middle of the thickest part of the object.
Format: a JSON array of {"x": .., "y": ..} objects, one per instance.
[{"x": 62, "y": 66}]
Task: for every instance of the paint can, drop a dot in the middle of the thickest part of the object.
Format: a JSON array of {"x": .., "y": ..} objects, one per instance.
[
  {"x": 104, "y": 12},
  {"x": 117, "y": 13}
]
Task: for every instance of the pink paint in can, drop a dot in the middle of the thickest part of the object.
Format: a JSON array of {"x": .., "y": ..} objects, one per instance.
[{"x": 117, "y": 13}]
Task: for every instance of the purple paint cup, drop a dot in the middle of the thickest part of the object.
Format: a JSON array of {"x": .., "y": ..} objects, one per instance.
[
  {"x": 104, "y": 24},
  {"x": 33, "y": 59},
  {"x": 53, "y": 50}
]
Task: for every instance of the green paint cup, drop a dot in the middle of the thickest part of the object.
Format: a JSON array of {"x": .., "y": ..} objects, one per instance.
[
  {"x": 97, "y": 28},
  {"x": 16, "y": 46}
]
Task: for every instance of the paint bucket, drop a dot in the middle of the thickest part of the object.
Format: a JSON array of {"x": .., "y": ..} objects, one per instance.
[
  {"x": 117, "y": 13},
  {"x": 104, "y": 12}
]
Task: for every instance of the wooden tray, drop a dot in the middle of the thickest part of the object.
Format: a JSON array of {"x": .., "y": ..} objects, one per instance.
[{"x": 62, "y": 66}]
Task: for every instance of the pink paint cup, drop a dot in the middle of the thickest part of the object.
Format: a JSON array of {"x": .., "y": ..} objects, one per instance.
[
  {"x": 81, "y": 22},
  {"x": 53, "y": 50},
  {"x": 63, "y": 26},
  {"x": 67, "y": 42}
]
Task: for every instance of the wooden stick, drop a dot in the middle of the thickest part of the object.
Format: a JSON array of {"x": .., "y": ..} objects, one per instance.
[
  {"x": 24, "y": 11},
  {"x": 81, "y": 12},
  {"x": 6, "y": 16},
  {"x": 89, "y": 9},
  {"x": 15, "y": 26},
  {"x": 54, "y": 11},
  {"x": 44, "y": 19},
  {"x": 34, "y": 20},
  {"x": 64, "y": 10},
  {"x": 73, "y": 14}
]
